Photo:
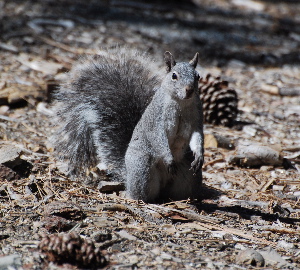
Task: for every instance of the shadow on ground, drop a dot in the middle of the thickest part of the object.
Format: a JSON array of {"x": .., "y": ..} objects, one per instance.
[{"x": 219, "y": 33}]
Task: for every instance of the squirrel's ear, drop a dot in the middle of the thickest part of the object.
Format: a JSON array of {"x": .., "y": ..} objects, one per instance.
[
  {"x": 170, "y": 61},
  {"x": 194, "y": 61}
]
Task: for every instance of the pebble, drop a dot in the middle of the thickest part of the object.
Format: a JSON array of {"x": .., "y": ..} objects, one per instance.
[
  {"x": 115, "y": 248},
  {"x": 266, "y": 168},
  {"x": 249, "y": 130},
  {"x": 250, "y": 257},
  {"x": 285, "y": 245},
  {"x": 236, "y": 64},
  {"x": 10, "y": 261},
  {"x": 277, "y": 187}
]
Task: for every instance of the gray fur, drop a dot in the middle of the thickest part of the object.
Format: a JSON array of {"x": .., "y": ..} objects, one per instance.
[
  {"x": 112, "y": 113},
  {"x": 98, "y": 108},
  {"x": 159, "y": 160}
]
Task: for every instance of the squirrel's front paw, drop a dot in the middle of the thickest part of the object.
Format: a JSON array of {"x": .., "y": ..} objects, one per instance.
[
  {"x": 172, "y": 168},
  {"x": 197, "y": 164}
]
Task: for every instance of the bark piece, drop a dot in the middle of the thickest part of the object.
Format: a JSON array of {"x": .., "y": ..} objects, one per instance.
[
  {"x": 10, "y": 158},
  {"x": 46, "y": 67},
  {"x": 215, "y": 140},
  {"x": 109, "y": 187},
  {"x": 57, "y": 224},
  {"x": 10, "y": 155},
  {"x": 289, "y": 90},
  {"x": 255, "y": 155},
  {"x": 66, "y": 210}
]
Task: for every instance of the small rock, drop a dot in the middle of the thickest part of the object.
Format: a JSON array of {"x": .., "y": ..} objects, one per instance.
[
  {"x": 239, "y": 246},
  {"x": 3, "y": 109},
  {"x": 250, "y": 257},
  {"x": 10, "y": 262},
  {"x": 42, "y": 108},
  {"x": 156, "y": 251},
  {"x": 251, "y": 131},
  {"x": 228, "y": 236},
  {"x": 104, "y": 222},
  {"x": 166, "y": 256},
  {"x": 125, "y": 234},
  {"x": 278, "y": 188},
  {"x": 272, "y": 258},
  {"x": 10, "y": 155},
  {"x": 236, "y": 64},
  {"x": 218, "y": 235},
  {"x": 116, "y": 248},
  {"x": 133, "y": 259},
  {"x": 266, "y": 168},
  {"x": 285, "y": 245}
]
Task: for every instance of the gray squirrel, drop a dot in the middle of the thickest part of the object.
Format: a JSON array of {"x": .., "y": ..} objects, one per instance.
[{"x": 115, "y": 113}]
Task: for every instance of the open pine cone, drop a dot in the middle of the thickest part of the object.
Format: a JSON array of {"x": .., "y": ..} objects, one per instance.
[
  {"x": 220, "y": 103},
  {"x": 71, "y": 248}
]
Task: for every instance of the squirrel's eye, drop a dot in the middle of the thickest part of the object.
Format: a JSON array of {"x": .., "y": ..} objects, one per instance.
[
  {"x": 174, "y": 76},
  {"x": 198, "y": 77}
]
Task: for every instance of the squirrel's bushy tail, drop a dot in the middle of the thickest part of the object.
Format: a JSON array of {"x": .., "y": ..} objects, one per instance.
[{"x": 98, "y": 107}]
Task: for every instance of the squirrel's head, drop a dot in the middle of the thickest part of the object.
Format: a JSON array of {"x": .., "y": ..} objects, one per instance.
[{"x": 182, "y": 78}]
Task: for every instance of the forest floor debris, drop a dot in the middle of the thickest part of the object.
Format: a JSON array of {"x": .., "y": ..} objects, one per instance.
[{"x": 247, "y": 212}]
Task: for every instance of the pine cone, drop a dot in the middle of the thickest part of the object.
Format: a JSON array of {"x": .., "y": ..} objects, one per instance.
[
  {"x": 71, "y": 248},
  {"x": 218, "y": 100}
]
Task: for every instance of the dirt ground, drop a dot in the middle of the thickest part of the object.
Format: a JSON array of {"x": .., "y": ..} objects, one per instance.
[{"x": 251, "y": 216}]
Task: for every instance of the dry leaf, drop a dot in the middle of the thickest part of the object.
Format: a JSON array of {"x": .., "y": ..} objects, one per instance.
[{"x": 210, "y": 141}]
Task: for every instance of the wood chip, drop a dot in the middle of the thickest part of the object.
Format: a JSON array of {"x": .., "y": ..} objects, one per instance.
[
  {"x": 254, "y": 154},
  {"x": 46, "y": 67},
  {"x": 67, "y": 210},
  {"x": 109, "y": 186}
]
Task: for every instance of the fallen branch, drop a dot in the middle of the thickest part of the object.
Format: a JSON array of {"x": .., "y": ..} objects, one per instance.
[
  {"x": 239, "y": 233},
  {"x": 115, "y": 207},
  {"x": 212, "y": 162},
  {"x": 188, "y": 214}
]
